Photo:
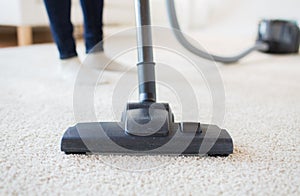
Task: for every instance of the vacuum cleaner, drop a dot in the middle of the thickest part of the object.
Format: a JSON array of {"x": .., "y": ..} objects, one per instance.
[{"x": 147, "y": 127}]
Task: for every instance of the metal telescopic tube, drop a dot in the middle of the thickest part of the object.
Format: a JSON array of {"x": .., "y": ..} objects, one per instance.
[{"x": 146, "y": 72}]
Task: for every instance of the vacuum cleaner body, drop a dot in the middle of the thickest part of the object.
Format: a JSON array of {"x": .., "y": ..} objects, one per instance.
[
  {"x": 281, "y": 36},
  {"x": 147, "y": 128}
]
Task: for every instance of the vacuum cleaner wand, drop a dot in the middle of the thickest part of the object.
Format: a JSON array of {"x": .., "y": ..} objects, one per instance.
[
  {"x": 146, "y": 127},
  {"x": 146, "y": 73}
]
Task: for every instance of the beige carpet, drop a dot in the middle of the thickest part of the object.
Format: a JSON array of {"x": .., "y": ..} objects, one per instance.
[{"x": 262, "y": 115}]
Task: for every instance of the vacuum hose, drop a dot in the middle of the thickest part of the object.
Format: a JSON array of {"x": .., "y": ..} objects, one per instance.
[{"x": 190, "y": 47}]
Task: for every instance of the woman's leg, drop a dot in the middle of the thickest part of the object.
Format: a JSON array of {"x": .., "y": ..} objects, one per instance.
[
  {"x": 59, "y": 12},
  {"x": 93, "y": 34},
  {"x": 93, "y": 11}
]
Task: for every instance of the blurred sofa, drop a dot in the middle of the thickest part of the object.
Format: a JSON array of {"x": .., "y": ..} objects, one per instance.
[{"x": 25, "y": 14}]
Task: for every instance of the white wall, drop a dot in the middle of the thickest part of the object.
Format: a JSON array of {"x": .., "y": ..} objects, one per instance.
[{"x": 228, "y": 16}]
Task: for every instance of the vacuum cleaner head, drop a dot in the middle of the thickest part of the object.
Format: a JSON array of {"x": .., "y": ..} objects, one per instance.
[{"x": 147, "y": 128}]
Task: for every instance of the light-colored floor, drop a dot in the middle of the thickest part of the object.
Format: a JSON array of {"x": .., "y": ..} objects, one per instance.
[{"x": 262, "y": 113}]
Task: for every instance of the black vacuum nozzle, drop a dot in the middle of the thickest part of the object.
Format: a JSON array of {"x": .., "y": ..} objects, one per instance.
[
  {"x": 147, "y": 128},
  {"x": 282, "y": 36}
]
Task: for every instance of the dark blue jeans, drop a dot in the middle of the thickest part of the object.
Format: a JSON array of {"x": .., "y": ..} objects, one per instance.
[{"x": 59, "y": 12}]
